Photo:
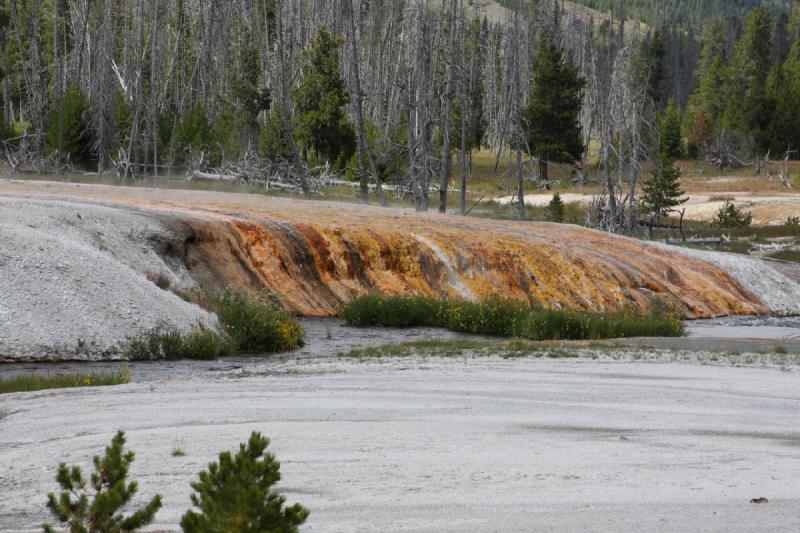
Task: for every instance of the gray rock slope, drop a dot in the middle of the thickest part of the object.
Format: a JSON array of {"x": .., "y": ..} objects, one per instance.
[{"x": 73, "y": 280}]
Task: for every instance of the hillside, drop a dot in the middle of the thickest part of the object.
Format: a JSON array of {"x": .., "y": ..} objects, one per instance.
[{"x": 696, "y": 12}]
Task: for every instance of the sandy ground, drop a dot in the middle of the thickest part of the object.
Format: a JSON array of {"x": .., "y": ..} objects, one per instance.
[
  {"x": 767, "y": 209},
  {"x": 445, "y": 444}
]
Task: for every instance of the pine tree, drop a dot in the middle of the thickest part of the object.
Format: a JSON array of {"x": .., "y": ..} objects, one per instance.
[
  {"x": 748, "y": 110},
  {"x": 730, "y": 216},
  {"x": 671, "y": 140},
  {"x": 236, "y": 496},
  {"x": 662, "y": 193},
  {"x": 555, "y": 209},
  {"x": 66, "y": 128},
  {"x": 194, "y": 132},
  {"x": 712, "y": 76},
  {"x": 109, "y": 493},
  {"x": 321, "y": 123},
  {"x": 551, "y": 119}
]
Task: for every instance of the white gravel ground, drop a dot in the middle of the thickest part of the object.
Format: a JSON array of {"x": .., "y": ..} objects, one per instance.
[
  {"x": 72, "y": 280},
  {"x": 428, "y": 444}
]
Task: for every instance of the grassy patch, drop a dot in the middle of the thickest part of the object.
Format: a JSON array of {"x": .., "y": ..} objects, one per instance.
[
  {"x": 62, "y": 381},
  {"x": 252, "y": 324},
  {"x": 461, "y": 347},
  {"x": 257, "y": 324},
  {"x": 504, "y": 318}
]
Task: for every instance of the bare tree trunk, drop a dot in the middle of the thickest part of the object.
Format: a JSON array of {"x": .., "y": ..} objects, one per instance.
[
  {"x": 520, "y": 183},
  {"x": 362, "y": 142},
  {"x": 448, "y": 112}
]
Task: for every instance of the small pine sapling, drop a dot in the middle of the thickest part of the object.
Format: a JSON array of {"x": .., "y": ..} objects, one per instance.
[
  {"x": 555, "y": 209},
  {"x": 97, "y": 509},
  {"x": 235, "y": 495}
]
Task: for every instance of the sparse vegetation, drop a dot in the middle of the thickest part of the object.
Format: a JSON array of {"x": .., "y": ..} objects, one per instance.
[
  {"x": 496, "y": 316},
  {"x": 34, "y": 382},
  {"x": 253, "y": 324},
  {"x": 159, "y": 279}
]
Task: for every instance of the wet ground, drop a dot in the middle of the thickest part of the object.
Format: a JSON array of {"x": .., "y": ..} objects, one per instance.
[{"x": 330, "y": 337}]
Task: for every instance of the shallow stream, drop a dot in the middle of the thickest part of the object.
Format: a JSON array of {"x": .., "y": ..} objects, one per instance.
[{"x": 330, "y": 337}]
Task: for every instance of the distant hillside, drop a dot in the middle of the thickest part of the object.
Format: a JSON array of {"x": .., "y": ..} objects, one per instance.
[{"x": 686, "y": 11}]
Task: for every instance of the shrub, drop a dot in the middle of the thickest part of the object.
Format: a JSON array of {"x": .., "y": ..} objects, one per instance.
[
  {"x": 29, "y": 383},
  {"x": 110, "y": 492},
  {"x": 500, "y": 317},
  {"x": 729, "y": 216},
  {"x": 256, "y": 324},
  {"x": 236, "y": 494}
]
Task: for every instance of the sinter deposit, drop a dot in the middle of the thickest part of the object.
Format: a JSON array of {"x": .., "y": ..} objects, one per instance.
[{"x": 75, "y": 258}]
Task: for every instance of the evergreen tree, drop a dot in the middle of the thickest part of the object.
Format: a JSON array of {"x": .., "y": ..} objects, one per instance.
[
  {"x": 109, "y": 493},
  {"x": 662, "y": 193},
  {"x": 712, "y": 77},
  {"x": 66, "y": 129},
  {"x": 321, "y": 123},
  {"x": 194, "y": 132},
  {"x": 236, "y": 496},
  {"x": 671, "y": 140},
  {"x": 748, "y": 110},
  {"x": 657, "y": 81},
  {"x": 226, "y": 142},
  {"x": 555, "y": 209},
  {"x": 551, "y": 119},
  {"x": 730, "y": 216},
  {"x": 272, "y": 142}
]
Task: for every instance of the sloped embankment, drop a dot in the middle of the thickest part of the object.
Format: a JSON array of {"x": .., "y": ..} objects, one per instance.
[{"x": 96, "y": 243}]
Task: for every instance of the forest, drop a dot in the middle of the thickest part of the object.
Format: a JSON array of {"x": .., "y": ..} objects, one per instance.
[{"x": 397, "y": 95}]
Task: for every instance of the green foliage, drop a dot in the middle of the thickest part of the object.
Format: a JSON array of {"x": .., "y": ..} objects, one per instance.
[
  {"x": 226, "y": 142},
  {"x": 662, "y": 193},
  {"x": 164, "y": 342},
  {"x": 273, "y": 142},
  {"x": 497, "y": 316},
  {"x": 321, "y": 122},
  {"x": 97, "y": 509},
  {"x": 555, "y": 209},
  {"x": 236, "y": 495},
  {"x": 33, "y": 382},
  {"x": 67, "y": 132},
  {"x": 394, "y": 311},
  {"x": 553, "y": 131},
  {"x": 748, "y": 108},
  {"x": 252, "y": 324},
  {"x": 194, "y": 132},
  {"x": 730, "y": 216},
  {"x": 256, "y": 324},
  {"x": 671, "y": 140},
  {"x": 251, "y": 98},
  {"x": 712, "y": 74}
]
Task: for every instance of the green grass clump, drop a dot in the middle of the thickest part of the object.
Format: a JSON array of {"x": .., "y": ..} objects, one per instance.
[
  {"x": 256, "y": 324},
  {"x": 170, "y": 343},
  {"x": 251, "y": 324},
  {"x": 395, "y": 311},
  {"x": 62, "y": 381},
  {"x": 505, "y": 318}
]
